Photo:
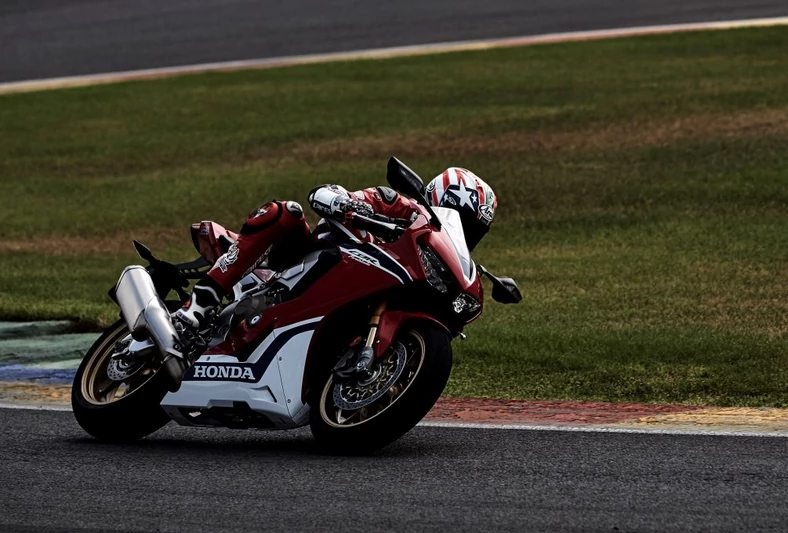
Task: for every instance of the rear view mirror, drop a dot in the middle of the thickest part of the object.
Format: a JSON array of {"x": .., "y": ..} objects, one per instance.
[
  {"x": 403, "y": 179},
  {"x": 505, "y": 290}
]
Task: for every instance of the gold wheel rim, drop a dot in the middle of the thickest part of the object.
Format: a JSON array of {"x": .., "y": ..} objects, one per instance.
[
  {"x": 356, "y": 417},
  {"x": 97, "y": 388}
]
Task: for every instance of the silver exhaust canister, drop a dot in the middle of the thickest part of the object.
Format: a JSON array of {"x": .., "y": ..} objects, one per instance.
[{"x": 145, "y": 314}]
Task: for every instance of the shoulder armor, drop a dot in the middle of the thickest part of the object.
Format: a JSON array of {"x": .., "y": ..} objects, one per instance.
[{"x": 388, "y": 195}]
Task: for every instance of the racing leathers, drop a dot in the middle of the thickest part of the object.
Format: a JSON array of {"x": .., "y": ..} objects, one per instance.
[{"x": 278, "y": 226}]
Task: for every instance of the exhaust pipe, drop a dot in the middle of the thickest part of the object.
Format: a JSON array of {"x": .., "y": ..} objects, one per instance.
[{"x": 146, "y": 316}]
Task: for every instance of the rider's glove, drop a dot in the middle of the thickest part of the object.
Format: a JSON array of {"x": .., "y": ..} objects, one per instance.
[{"x": 356, "y": 206}]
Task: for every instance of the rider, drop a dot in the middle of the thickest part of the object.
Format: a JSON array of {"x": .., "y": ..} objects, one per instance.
[{"x": 278, "y": 225}]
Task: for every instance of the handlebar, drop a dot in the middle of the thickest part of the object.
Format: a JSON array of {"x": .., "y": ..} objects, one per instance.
[
  {"x": 387, "y": 227},
  {"x": 404, "y": 222}
]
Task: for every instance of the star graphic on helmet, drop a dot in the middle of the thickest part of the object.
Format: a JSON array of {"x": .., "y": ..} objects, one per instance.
[{"x": 465, "y": 196}]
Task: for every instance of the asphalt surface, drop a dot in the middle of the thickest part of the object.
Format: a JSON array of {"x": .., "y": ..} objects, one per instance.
[
  {"x": 53, "y": 38},
  {"x": 54, "y": 478}
]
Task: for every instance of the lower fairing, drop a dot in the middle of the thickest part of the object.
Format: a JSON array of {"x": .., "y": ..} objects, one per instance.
[{"x": 263, "y": 391}]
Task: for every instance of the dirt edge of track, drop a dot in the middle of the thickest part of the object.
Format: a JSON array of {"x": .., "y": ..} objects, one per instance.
[{"x": 489, "y": 411}]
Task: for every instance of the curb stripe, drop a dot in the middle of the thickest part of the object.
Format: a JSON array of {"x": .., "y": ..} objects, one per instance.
[
  {"x": 520, "y": 427},
  {"x": 380, "y": 53}
]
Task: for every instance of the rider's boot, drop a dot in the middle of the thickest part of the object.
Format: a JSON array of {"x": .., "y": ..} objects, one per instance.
[
  {"x": 195, "y": 314},
  {"x": 197, "y": 309}
]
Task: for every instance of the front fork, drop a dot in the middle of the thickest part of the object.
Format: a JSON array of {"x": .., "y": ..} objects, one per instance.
[
  {"x": 367, "y": 353},
  {"x": 383, "y": 328}
]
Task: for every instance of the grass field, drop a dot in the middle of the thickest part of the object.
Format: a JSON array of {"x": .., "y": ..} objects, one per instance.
[{"x": 643, "y": 189}]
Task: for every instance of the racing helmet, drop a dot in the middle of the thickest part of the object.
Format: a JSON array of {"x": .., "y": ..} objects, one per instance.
[{"x": 462, "y": 190}]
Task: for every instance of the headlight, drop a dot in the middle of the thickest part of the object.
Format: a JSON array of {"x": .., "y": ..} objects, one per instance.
[
  {"x": 434, "y": 268},
  {"x": 465, "y": 303}
]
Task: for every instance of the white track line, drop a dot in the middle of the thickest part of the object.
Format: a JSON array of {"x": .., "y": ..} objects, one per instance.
[
  {"x": 608, "y": 429},
  {"x": 519, "y": 427},
  {"x": 380, "y": 53},
  {"x": 31, "y": 407}
]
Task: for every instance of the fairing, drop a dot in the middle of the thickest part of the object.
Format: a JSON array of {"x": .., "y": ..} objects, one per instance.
[
  {"x": 392, "y": 321},
  {"x": 452, "y": 226}
]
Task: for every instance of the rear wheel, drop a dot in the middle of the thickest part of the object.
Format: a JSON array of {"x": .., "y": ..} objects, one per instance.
[
  {"x": 118, "y": 399},
  {"x": 364, "y": 414}
]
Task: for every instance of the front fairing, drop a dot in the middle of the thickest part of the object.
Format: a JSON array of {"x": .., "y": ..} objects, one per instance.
[
  {"x": 448, "y": 244},
  {"x": 463, "y": 270},
  {"x": 452, "y": 228}
]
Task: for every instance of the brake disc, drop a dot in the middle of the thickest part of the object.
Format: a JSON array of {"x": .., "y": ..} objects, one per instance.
[
  {"x": 123, "y": 363},
  {"x": 355, "y": 394}
]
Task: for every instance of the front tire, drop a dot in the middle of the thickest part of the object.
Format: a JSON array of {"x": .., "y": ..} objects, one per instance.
[
  {"x": 117, "y": 411},
  {"x": 386, "y": 414}
]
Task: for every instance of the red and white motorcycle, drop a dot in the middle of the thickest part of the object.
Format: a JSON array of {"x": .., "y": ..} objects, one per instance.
[{"x": 354, "y": 339}]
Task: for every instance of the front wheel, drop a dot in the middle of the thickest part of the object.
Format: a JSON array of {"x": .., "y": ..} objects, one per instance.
[
  {"x": 364, "y": 414},
  {"x": 119, "y": 400}
]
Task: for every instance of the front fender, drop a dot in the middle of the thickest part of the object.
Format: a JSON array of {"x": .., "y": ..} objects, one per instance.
[{"x": 392, "y": 321}]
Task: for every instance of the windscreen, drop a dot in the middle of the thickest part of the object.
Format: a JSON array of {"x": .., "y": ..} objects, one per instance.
[{"x": 453, "y": 227}]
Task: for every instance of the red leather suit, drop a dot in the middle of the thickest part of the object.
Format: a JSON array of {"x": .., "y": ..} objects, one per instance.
[{"x": 283, "y": 224}]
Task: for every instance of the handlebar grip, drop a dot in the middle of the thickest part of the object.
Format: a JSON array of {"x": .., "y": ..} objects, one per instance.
[
  {"x": 405, "y": 222},
  {"x": 386, "y": 229}
]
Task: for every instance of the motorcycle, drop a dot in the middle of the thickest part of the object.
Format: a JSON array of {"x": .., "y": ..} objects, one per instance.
[{"x": 353, "y": 338}]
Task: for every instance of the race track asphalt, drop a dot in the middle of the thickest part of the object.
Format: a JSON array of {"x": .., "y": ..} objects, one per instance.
[
  {"x": 55, "y": 479},
  {"x": 53, "y": 38}
]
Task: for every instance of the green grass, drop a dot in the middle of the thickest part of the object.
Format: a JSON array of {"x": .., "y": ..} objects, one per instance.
[{"x": 643, "y": 189}]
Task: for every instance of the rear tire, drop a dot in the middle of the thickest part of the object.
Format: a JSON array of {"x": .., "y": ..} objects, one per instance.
[
  {"x": 130, "y": 417},
  {"x": 392, "y": 421}
]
